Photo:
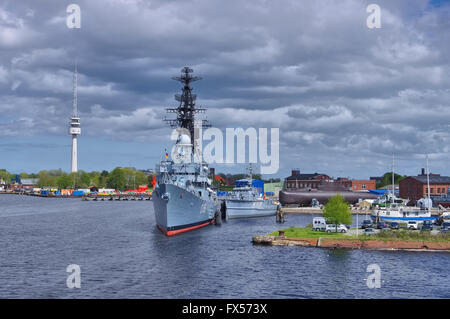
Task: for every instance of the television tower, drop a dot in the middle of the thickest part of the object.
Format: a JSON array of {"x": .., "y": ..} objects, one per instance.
[{"x": 74, "y": 124}]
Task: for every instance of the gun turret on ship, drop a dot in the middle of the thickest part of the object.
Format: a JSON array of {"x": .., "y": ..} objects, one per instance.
[{"x": 183, "y": 198}]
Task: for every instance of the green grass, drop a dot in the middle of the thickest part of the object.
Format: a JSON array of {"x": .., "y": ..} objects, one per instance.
[
  {"x": 303, "y": 232},
  {"x": 386, "y": 235},
  {"x": 403, "y": 235}
]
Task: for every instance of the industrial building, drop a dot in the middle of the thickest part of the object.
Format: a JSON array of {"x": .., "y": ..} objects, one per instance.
[
  {"x": 415, "y": 187},
  {"x": 313, "y": 181},
  {"x": 300, "y": 181},
  {"x": 357, "y": 185}
]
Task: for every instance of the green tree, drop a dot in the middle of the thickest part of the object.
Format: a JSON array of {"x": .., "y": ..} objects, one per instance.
[
  {"x": 134, "y": 178},
  {"x": 24, "y": 175},
  {"x": 116, "y": 179},
  {"x": 141, "y": 179},
  {"x": 55, "y": 172},
  {"x": 5, "y": 176},
  {"x": 45, "y": 180},
  {"x": 85, "y": 179},
  {"x": 102, "y": 178},
  {"x": 337, "y": 211},
  {"x": 74, "y": 180},
  {"x": 63, "y": 181},
  {"x": 387, "y": 179},
  {"x": 95, "y": 178}
]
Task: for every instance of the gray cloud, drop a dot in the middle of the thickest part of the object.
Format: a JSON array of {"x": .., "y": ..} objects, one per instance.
[{"x": 314, "y": 69}]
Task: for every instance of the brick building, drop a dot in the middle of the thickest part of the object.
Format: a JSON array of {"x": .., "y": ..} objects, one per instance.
[
  {"x": 306, "y": 181},
  {"x": 347, "y": 183},
  {"x": 357, "y": 185},
  {"x": 360, "y": 185},
  {"x": 415, "y": 187},
  {"x": 299, "y": 181}
]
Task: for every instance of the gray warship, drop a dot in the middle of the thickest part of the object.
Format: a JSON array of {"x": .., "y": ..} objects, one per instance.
[
  {"x": 245, "y": 201},
  {"x": 183, "y": 199}
]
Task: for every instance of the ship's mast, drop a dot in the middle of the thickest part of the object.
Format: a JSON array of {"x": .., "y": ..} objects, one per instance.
[
  {"x": 428, "y": 186},
  {"x": 186, "y": 110},
  {"x": 250, "y": 171},
  {"x": 393, "y": 182}
]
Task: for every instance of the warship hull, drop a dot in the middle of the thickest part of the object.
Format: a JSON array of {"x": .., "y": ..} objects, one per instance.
[
  {"x": 246, "y": 209},
  {"x": 178, "y": 211}
]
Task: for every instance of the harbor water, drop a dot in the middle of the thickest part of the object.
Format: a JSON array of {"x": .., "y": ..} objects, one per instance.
[{"x": 122, "y": 254}]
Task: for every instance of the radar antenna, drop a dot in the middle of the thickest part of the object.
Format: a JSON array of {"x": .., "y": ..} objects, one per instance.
[{"x": 186, "y": 110}]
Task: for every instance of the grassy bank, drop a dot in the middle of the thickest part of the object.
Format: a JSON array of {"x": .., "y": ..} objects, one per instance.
[
  {"x": 306, "y": 232},
  {"x": 396, "y": 235},
  {"x": 408, "y": 235}
]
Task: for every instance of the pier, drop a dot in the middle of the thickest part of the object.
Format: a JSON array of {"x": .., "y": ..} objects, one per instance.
[{"x": 117, "y": 197}]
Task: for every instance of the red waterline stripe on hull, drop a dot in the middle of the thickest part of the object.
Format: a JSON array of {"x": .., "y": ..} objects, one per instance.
[{"x": 171, "y": 233}]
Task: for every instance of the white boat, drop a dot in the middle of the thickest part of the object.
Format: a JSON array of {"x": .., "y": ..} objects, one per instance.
[
  {"x": 400, "y": 213},
  {"x": 390, "y": 208}
]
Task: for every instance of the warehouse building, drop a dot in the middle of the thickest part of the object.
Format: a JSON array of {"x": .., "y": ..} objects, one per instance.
[
  {"x": 415, "y": 187},
  {"x": 302, "y": 181}
]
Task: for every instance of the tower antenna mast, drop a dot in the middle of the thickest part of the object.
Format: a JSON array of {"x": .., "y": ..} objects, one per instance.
[
  {"x": 74, "y": 124},
  {"x": 75, "y": 92}
]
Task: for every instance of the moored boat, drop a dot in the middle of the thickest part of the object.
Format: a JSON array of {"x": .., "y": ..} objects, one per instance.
[{"x": 246, "y": 201}]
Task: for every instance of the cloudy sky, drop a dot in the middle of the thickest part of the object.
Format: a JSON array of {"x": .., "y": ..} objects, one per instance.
[{"x": 345, "y": 97}]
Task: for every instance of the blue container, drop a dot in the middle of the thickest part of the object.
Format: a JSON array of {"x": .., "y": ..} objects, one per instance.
[
  {"x": 259, "y": 184},
  {"x": 58, "y": 193},
  {"x": 77, "y": 193},
  {"x": 45, "y": 192}
]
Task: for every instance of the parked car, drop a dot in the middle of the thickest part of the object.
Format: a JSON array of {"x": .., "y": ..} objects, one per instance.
[
  {"x": 427, "y": 225},
  {"x": 413, "y": 225},
  {"x": 331, "y": 228},
  {"x": 382, "y": 225},
  {"x": 445, "y": 225},
  {"x": 394, "y": 225},
  {"x": 319, "y": 224},
  {"x": 445, "y": 230},
  {"x": 369, "y": 232},
  {"x": 367, "y": 223}
]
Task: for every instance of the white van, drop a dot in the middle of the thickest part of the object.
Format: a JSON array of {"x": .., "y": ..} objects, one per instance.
[
  {"x": 319, "y": 224},
  {"x": 413, "y": 225}
]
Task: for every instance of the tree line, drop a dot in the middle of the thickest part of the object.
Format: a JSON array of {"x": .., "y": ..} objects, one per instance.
[{"x": 118, "y": 178}]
